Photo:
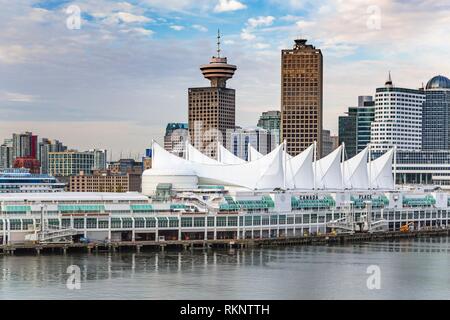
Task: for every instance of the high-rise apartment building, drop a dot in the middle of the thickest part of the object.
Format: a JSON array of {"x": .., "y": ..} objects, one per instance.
[
  {"x": 355, "y": 127},
  {"x": 70, "y": 163},
  {"x": 212, "y": 109},
  {"x": 100, "y": 159},
  {"x": 398, "y": 118},
  {"x": 327, "y": 143},
  {"x": 271, "y": 121},
  {"x": 24, "y": 145},
  {"x": 365, "y": 114},
  {"x": 436, "y": 115},
  {"x": 175, "y": 138},
  {"x": 239, "y": 139},
  {"x": 348, "y": 132},
  {"x": 301, "y": 97},
  {"x": 6, "y": 154},
  {"x": 46, "y": 146}
]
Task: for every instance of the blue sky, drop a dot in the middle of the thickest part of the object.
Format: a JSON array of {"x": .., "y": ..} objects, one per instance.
[{"x": 116, "y": 81}]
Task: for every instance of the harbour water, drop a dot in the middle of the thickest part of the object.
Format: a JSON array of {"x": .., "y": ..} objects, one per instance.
[{"x": 408, "y": 269}]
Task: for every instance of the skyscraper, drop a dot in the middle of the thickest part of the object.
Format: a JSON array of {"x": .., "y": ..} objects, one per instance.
[
  {"x": 348, "y": 131},
  {"x": 271, "y": 121},
  {"x": 355, "y": 128},
  {"x": 212, "y": 109},
  {"x": 398, "y": 118},
  {"x": 301, "y": 97},
  {"x": 24, "y": 145},
  {"x": 240, "y": 138},
  {"x": 6, "y": 154},
  {"x": 327, "y": 143},
  {"x": 175, "y": 137},
  {"x": 436, "y": 115},
  {"x": 46, "y": 146}
]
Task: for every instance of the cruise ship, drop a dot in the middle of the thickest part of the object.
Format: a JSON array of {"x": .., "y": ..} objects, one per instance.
[
  {"x": 21, "y": 180},
  {"x": 199, "y": 198}
]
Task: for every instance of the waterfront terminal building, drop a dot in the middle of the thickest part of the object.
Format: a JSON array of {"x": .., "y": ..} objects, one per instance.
[{"x": 272, "y": 197}]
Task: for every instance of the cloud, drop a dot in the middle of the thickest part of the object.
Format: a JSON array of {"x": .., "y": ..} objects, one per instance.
[
  {"x": 247, "y": 35},
  {"x": 184, "y": 6},
  {"x": 127, "y": 17},
  {"x": 261, "y": 45},
  {"x": 304, "y": 24},
  {"x": 253, "y": 23},
  {"x": 229, "y": 5},
  {"x": 260, "y": 21},
  {"x": 290, "y": 18},
  {"x": 139, "y": 31},
  {"x": 121, "y": 17},
  {"x": 200, "y": 28},
  {"x": 177, "y": 28},
  {"x": 16, "y": 97},
  {"x": 10, "y": 54}
]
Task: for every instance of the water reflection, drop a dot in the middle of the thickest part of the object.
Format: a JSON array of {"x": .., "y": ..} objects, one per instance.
[{"x": 322, "y": 272}]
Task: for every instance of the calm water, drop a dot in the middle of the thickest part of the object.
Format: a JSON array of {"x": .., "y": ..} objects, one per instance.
[{"x": 412, "y": 269}]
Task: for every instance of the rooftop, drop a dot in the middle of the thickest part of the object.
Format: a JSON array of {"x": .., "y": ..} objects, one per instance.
[{"x": 438, "y": 82}]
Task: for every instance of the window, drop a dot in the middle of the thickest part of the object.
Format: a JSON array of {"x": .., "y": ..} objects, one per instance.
[
  {"x": 116, "y": 223},
  {"x": 103, "y": 224},
  {"x": 162, "y": 222},
  {"x": 139, "y": 222},
  {"x": 199, "y": 222},
  {"x": 186, "y": 222},
  {"x": 273, "y": 220},
  {"x": 150, "y": 222},
  {"x": 78, "y": 223},
  {"x": 173, "y": 222},
  {"x": 232, "y": 221},
  {"x": 91, "y": 223},
  {"x": 221, "y": 221}
]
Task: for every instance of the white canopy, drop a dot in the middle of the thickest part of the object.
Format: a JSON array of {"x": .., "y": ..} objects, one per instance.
[
  {"x": 226, "y": 157},
  {"x": 195, "y": 155},
  {"x": 381, "y": 176},
  {"x": 265, "y": 173},
  {"x": 355, "y": 173},
  {"x": 328, "y": 171},
  {"x": 299, "y": 170},
  {"x": 253, "y": 154},
  {"x": 277, "y": 170}
]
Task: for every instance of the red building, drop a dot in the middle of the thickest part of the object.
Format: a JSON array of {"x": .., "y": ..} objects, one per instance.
[{"x": 28, "y": 163}]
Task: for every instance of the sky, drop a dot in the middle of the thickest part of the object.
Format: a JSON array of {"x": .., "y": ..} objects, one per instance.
[{"x": 117, "y": 75}]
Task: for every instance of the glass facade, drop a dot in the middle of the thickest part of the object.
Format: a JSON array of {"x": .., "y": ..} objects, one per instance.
[
  {"x": 355, "y": 128},
  {"x": 436, "y": 120},
  {"x": 347, "y": 132}
]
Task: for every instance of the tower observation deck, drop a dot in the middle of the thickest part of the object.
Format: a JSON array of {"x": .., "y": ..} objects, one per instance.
[{"x": 218, "y": 71}]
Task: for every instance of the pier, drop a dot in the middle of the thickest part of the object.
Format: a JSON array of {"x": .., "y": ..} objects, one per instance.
[{"x": 139, "y": 246}]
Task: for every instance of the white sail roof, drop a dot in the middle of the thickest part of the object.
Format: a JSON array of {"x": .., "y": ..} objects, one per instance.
[
  {"x": 253, "y": 154},
  {"x": 380, "y": 171},
  {"x": 196, "y": 155},
  {"x": 265, "y": 173},
  {"x": 226, "y": 157},
  {"x": 299, "y": 170},
  {"x": 354, "y": 171},
  {"x": 328, "y": 171},
  {"x": 277, "y": 170}
]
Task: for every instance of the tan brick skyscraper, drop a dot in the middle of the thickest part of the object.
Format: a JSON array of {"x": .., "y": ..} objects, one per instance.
[{"x": 301, "y": 97}]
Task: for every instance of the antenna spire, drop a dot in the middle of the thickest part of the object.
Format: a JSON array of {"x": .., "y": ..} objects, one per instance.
[{"x": 218, "y": 43}]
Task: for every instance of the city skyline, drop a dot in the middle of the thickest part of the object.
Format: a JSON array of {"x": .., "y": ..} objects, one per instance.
[{"x": 49, "y": 84}]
